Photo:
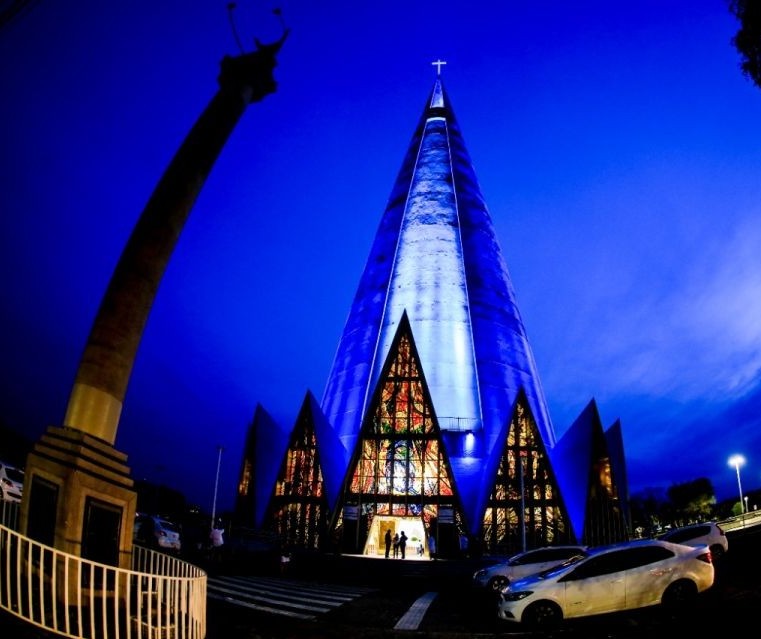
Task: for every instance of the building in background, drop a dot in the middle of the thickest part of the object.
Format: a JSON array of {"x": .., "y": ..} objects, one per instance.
[{"x": 434, "y": 420}]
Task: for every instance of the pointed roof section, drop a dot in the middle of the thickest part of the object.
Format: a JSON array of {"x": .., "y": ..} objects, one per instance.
[
  {"x": 615, "y": 440},
  {"x": 588, "y": 476},
  {"x": 329, "y": 449},
  {"x": 436, "y": 256},
  {"x": 265, "y": 446},
  {"x": 572, "y": 460}
]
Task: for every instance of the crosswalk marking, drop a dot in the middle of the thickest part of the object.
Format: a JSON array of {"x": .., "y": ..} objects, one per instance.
[
  {"x": 412, "y": 618},
  {"x": 285, "y": 597}
]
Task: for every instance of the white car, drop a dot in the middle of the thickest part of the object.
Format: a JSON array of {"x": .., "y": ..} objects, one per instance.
[
  {"x": 496, "y": 577},
  {"x": 709, "y": 534},
  {"x": 11, "y": 482},
  {"x": 156, "y": 532},
  {"x": 625, "y": 576}
]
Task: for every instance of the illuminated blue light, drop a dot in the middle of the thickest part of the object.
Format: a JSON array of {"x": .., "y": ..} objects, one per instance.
[{"x": 436, "y": 257}]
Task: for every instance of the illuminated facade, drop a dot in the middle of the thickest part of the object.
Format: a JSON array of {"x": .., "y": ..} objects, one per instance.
[{"x": 433, "y": 411}]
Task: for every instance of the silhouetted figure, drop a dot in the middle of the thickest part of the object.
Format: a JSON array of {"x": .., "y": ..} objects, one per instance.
[
  {"x": 396, "y": 545},
  {"x": 387, "y": 539},
  {"x": 402, "y": 543},
  {"x": 217, "y": 541},
  {"x": 285, "y": 560}
]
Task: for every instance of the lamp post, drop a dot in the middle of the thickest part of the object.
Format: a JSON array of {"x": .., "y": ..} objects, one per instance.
[
  {"x": 216, "y": 485},
  {"x": 737, "y": 461}
]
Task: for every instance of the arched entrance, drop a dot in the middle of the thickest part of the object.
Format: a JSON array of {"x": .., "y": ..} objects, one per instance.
[{"x": 413, "y": 528}]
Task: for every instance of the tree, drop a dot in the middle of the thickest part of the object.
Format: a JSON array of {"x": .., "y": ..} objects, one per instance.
[
  {"x": 692, "y": 500},
  {"x": 747, "y": 40}
]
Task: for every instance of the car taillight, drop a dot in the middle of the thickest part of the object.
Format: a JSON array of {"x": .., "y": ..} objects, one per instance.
[{"x": 706, "y": 556}]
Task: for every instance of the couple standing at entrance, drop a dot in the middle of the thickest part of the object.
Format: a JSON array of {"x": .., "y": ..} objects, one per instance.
[{"x": 399, "y": 542}]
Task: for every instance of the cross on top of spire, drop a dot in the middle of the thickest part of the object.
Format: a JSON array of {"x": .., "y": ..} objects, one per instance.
[{"x": 438, "y": 65}]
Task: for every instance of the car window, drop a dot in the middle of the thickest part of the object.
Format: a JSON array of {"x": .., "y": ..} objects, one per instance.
[
  {"x": 685, "y": 534},
  {"x": 561, "y": 567},
  {"x": 563, "y": 553},
  {"x": 544, "y": 554},
  {"x": 619, "y": 560},
  {"x": 14, "y": 475},
  {"x": 635, "y": 557},
  {"x": 530, "y": 557},
  {"x": 168, "y": 525}
]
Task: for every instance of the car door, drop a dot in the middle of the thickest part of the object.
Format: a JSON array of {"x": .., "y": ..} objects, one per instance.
[
  {"x": 595, "y": 586},
  {"x": 649, "y": 572}
]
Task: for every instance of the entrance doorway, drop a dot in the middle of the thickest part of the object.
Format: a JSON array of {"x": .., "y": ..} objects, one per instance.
[{"x": 413, "y": 527}]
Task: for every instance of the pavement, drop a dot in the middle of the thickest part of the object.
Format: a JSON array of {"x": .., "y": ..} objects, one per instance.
[{"x": 427, "y": 599}]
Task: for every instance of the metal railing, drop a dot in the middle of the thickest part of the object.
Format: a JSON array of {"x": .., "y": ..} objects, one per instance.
[
  {"x": 9, "y": 513},
  {"x": 160, "y": 598}
]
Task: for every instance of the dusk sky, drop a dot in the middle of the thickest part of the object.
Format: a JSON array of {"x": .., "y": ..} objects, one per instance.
[{"x": 617, "y": 146}]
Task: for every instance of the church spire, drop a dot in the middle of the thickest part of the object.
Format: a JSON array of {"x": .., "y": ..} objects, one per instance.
[{"x": 436, "y": 257}]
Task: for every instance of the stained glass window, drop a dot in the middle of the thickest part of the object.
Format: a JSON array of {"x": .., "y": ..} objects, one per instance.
[
  {"x": 298, "y": 511},
  {"x": 524, "y": 509},
  {"x": 401, "y": 468}
]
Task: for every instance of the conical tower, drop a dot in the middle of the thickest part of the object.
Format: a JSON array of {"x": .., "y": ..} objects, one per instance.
[{"x": 436, "y": 258}]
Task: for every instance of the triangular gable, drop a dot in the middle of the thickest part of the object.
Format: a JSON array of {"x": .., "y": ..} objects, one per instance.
[
  {"x": 525, "y": 508},
  {"x": 298, "y": 508},
  {"x": 399, "y": 466}
]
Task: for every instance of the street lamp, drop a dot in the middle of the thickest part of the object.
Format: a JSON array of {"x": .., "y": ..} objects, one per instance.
[
  {"x": 737, "y": 461},
  {"x": 216, "y": 485}
]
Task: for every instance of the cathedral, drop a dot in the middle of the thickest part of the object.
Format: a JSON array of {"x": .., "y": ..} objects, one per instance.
[{"x": 433, "y": 420}]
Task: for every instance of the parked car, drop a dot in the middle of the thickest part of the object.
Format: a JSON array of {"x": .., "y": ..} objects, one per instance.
[
  {"x": 153, "y": 531},
  {"x": 496, "y": 577},
  {"x": 11, "y": 482},
  {"x": 709, "y": 534},
  {"x": 626, "y": 576}
]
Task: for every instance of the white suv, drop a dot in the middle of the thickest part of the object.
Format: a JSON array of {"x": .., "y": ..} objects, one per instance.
[
  {"x": 11, "y": 482},
  {"x": 709, "y": 534}
]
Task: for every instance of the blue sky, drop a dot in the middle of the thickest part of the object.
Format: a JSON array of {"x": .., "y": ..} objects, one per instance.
[{"x": 616, "y": 146}]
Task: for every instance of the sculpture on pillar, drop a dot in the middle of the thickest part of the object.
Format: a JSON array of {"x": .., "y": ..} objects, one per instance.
[{"x": 78, "y": 495}]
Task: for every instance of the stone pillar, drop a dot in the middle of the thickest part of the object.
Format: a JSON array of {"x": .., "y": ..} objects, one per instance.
[{"x": 78, "y": 494}]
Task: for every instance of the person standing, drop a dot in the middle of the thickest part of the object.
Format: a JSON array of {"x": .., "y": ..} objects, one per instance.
[
  {"x": 217, "y": 541},
  {"x": 396, "y": 545},
  {"x": 402, "y": 543},
  {"x": 387, "y": 539}
]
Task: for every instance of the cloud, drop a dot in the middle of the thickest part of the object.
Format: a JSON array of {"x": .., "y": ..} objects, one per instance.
[
  {"x": 702, "y": 338},
  {"x": 671, "y": 316}
]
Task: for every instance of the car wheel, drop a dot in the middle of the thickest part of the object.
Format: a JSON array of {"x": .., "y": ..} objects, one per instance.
[
  {"x": 717, "y": 551},
  {"x": 543, "y": 614},
  {"x": 496, "y": 584},
  {"x": 680, "y": 594}
]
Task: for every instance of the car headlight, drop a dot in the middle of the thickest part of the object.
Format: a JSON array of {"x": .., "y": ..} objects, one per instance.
[
  {"x": 479, "y": 573},
  {"x": 507, "y": 595}
]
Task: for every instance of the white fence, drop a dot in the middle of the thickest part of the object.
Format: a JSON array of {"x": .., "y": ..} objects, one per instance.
[
  {"x": 746, "y": 520},
  {"x": 160, "y": 598}
]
